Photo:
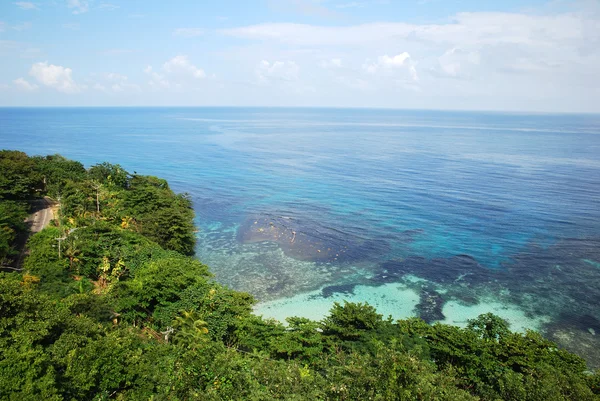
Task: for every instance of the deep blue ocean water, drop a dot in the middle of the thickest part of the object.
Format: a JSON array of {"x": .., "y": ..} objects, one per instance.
[{"x": 473, "y": 204}]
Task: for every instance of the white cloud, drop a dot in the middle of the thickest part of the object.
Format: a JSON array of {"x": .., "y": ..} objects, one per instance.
[
  {"x": 176, "y": 73},
  {"x": 156, "y": 80},
  {"x": 277, "y": 71},
  {"x": 474, "y": 28},
  {"x": 449, "y": 64},
  {"x": 400, "y": 61},
  {"x": 388, "y": 62},
  {"x": 26, "y": 5},
  {"x": 457, "y": 63},
  {"x": 490, "y": 50},
  {"x": 25, "y": 85},
  {"x": 114, "y": 77},
  {"x": 120, "y": 83},
  {"x": 182, "y": 66},
  {"x": 331, "y": 63},
  {"x": 55, "y": 76},
  {"x": 188, "y": 32},
  {"x": 79, "y": 6},
  {"x": 112, "y": 83}
]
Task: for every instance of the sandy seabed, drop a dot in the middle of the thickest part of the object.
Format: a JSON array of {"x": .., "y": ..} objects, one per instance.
[{"x": 394, "y": 300}]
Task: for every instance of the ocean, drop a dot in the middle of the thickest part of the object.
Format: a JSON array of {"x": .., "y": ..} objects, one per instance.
[{"x": 442, "y": 215}]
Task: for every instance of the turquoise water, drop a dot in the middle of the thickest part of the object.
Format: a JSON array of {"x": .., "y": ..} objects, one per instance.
[{"x": 446, "y": 212}]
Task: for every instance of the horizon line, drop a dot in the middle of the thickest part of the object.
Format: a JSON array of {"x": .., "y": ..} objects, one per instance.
[{"x": 490, "y": 111}]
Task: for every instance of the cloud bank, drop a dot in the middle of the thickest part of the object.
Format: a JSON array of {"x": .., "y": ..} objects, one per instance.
[{"x": 54, "y": 76}]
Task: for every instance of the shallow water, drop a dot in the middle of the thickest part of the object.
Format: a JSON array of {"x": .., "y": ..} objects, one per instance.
[{"x": 437, "y": 214}]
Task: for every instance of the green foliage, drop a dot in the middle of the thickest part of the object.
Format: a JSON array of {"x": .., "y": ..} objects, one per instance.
[
  {"x": 224, "y": 310},
  {"x": 87, "y": 247},
  {"x": 54, "y": 350},
  {"x": 301, "y": 341},
  {"x": 78, "y": 201},
  {"x": 190, "y": 330},
  {"x": 56, "y": 171},
  {"x": 392, "y": 374},
  {"x": 489, "y": 326},
  {"x": 12, "y": 215},
  {"x": 109, "y": 174},
  {"x": 351, "y": 320},
  {"x": 158, "y": 285},
  {"x": 43, "y": 262},
  {"x": 159, "y": 214},
  {"x": 593, "y": 381},
  {"x": 19, "y": 179},
  {"x": 107, "y": 192}
]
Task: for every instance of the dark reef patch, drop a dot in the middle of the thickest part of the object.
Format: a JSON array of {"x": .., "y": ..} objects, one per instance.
[
  {"x": 557, "y": 280},
  {"x": 308, "y": 240},
  {"x": 430, "y": 306},
  {"x": 583, "y": 322},
  {"x": 329, "y": 291},
  {"x": 438, "y": 270},
  {"x": 584, "y": 343}
]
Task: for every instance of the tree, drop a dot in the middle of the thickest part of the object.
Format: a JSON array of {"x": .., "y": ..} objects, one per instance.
[
  {"x": 56, "y": 171},
  {"x": 190, "y": 330},
  {"x": 109, "y": 174},
  {"x": 489, "y": 326},
  {"x": 72, "y": 252},
  {"x": 12, "y": 215},
  {"x": 19, "y": 179},
  {"x": 351, "y": 320}
]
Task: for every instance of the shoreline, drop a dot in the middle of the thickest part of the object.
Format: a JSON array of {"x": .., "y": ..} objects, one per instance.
[{"x": 396, "y": 300}]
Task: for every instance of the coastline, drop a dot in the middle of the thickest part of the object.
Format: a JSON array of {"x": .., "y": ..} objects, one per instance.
[{"x": 396, "y": 300}]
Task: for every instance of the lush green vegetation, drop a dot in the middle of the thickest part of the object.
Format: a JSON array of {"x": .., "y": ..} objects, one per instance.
[
  {"x": 124, "y": 313},
  {"x": 101, "y": 199}
]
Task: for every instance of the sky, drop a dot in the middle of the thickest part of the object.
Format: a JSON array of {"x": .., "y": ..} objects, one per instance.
[{"x": 510, "y": 55}]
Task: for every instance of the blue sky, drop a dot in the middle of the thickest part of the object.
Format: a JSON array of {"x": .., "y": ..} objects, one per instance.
[{"x": 526, "y": 55}]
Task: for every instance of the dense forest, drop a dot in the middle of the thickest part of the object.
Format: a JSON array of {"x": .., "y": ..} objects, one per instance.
[{"x": 107, "y": 302}]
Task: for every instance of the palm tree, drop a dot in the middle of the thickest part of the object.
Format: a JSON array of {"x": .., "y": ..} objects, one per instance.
[
  {"x": 71, "y": 252},
  {"x": 190, "y": 330}
]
